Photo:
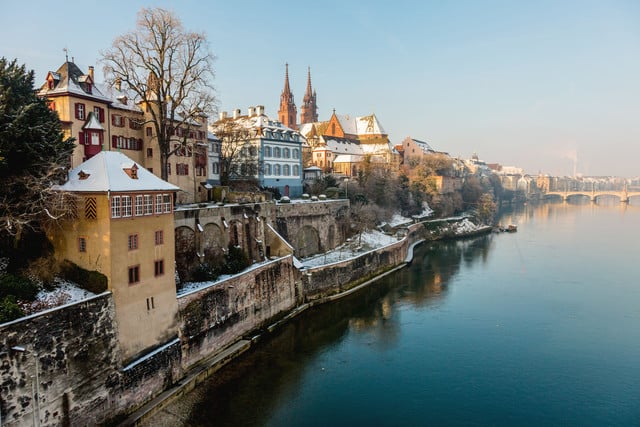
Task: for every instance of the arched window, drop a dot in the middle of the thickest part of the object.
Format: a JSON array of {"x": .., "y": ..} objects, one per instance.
[
  {"x": 267, "y": 169},
  {"x": 286, "y": 154},
  {"x": 295, "y": 153},
  {"x": 296, "y": 170},
  {"x": 286, "y": 170},
  {"x": 276, "y": 169},
  {"x": 276, "y": 152},
  {"x": 267, "y": 151}
]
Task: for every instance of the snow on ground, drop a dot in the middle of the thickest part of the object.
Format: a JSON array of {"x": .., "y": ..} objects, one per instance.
[
  {"x": 355, "y": 247},
  {"x": 64, "y": 293}
]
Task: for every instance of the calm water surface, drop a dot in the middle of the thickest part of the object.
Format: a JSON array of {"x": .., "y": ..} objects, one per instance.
[{"x": 540, "y": 327}]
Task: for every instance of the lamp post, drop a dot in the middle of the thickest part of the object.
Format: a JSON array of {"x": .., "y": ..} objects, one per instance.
[
  {"x": 35, "y": 386},
  {"x": 346, "y": 186}
]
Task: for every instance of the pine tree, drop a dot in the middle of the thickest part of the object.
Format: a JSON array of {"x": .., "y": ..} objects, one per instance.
[{"x": 34, "y": 156}]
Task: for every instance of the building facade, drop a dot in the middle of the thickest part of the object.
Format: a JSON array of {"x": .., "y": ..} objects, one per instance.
[
  {"x": 124, "y": 229},
  {"x": 107, "y": 118},
  {"x": 262, "y": 149}
]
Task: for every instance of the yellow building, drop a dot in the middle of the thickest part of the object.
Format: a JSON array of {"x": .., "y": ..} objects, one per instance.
[
  {"x": 125, "y": 230},
  {"x": 106, "y": 118}
]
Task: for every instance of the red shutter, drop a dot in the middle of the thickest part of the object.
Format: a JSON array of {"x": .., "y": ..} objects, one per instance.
[
  {"x": 81, "y": 136},
  {"x": 77, "y": 115},
  {"x": 140, "y": 144},
  {"x": 113, "y": 119},
  {"x": 114, "y": 141},
  {"x": 101, "y": 114}
]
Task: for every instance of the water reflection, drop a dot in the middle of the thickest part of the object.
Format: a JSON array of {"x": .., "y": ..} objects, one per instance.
[{"x": 236, "y": 394}]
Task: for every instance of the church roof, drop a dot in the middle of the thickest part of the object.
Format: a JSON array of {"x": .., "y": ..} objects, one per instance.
[
  {"x": 111, "y": 171},
  {"x": 361, "y": 126}
]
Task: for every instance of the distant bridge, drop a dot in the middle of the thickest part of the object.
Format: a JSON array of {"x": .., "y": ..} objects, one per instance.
[{"x": 623, "y": 195}]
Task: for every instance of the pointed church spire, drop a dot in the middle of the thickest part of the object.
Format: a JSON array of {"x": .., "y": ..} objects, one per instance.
[
  {"x": 287, "y": 112},
  {"x": 309, "y": 109}
]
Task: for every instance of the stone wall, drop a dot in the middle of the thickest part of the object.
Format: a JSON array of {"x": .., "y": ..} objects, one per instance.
[
  {"x": 334, "y": 278},
  {"x": 312, "y": 227},
  {"x": 214, "y": 317},
  {"x": 66, "y": 358}
]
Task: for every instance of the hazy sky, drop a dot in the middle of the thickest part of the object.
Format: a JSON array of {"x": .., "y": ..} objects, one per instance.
[{"x": 535, "y": 84}]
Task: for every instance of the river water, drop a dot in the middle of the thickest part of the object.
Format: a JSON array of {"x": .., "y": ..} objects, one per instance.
[{"x": 538, "y": 327}]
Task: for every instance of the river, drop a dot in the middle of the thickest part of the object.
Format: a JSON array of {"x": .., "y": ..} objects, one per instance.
[{"x": 538, "y": 327}]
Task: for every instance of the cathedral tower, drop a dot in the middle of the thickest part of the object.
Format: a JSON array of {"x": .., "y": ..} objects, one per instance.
[
  {"x": 309, "y": 109},
  {"x": 287, "y": 112}
]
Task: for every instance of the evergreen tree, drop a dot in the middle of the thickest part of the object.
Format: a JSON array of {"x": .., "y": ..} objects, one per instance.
[{"x": 34, "y": 156}]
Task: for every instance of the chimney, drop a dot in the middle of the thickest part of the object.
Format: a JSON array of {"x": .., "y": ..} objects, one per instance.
[
  {"x": 251, "y": 112},
  {"x": 91, "y": 72},
  {"x": 260, "y": 110},
  {"x": 223, "y": 115},
  {"x": 236, "y": 113}
]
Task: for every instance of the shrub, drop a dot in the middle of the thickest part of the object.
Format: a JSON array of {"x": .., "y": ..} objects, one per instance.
[
  {"x": 235, "y": 261},
  {"x": 9, "y": 309},
  {"x": 19, "y": 287},
  {"x": 203, "y": 273},
  {"x": 93, "y": 281}
]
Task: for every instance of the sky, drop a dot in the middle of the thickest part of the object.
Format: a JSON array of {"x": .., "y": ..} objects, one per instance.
[{"x": 549, "y": 86}]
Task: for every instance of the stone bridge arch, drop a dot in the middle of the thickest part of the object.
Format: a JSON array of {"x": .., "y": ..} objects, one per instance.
[
  {"x": 186, "y": 253},
  {"x": 213, "y": 240}
]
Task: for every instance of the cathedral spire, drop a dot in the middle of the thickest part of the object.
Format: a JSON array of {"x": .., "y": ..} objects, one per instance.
[
  {"x": 309, "y": 109},
  {"x": 287, "y": 112}
]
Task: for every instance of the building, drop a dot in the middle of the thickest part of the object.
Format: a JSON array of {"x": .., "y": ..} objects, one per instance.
[
  {"x": 262, "y": 149},
  {"x": 124, "y": 229},
  {"x": 107, "y": 118},
  {"x": 287, "y": 112},
  {"x": 309, "y": 109}
]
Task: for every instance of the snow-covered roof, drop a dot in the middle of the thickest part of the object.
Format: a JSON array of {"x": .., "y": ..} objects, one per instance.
[
  {"x": 118, "y": 96},
  {"x": 343, "y": 146},
  {"x": 107, "y": 171},
  {"x": 348, "y": 158},
  {"x": 68, "y": 79},
  {"x": 92, "y": 123},
  {"x": 365, "y": 125}
]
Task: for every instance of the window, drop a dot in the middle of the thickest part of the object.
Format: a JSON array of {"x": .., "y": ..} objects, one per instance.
[
  {"x": 134, "y": 274},
  {"x": 150, "y": 304},
  {"x": 158, "y": 268},
  {"x": 296, "y": 170},
  {"x": 267, "y": 169},
  {"x": 276, "y": 169},
  {"x": 201, "y": 170},
  {"x": 267, "y": 151},
  {"x": 167, "y": 202},
  {"x": 215, "y": 168},
  {"x": 182, "y": 169},
  {"x": 148, "y": 204},
  {"x": 80, "y": 111},
  {"x": 115, "y": 207},
  {"x": 295, "y": 153},
  {"x": 286, "y": 170},
  {"x": 159, "y": 203},
  {"x": 139, "y": 206},
  {"x": 149, "y": 131},
  {"x": 52, "y": 105},
  {"x": 159, "y": 237},
  {"x": 117, "y": 120},
  {"x": 149, "y": 152},
  {"x": 126, "y": 206},
  {"x": 286, "y": 154},
  {"x": 99, "y": 112},
  {"x": 134, "y": 124},
  {"x": 276, "y": 152},
  {"x": 133, "y": 242},
  {"x": 82, "y": 244}
]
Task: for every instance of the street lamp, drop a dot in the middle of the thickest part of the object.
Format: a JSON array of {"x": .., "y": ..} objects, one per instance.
[
  {"x": 346, "y": 186},
  {"x": 35, "y": 388}
]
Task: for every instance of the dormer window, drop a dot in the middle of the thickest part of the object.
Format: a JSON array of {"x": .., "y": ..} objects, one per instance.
[
  {"x": 88, "y": 87},
  {"x": 132, "y": 171}
]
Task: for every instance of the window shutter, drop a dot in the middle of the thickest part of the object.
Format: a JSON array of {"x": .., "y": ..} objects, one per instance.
[
  {"x": 114, "y": 141},
  {"x": 76, "y": 108},
  {"x": 81, "y": 137},
  {"x": 113, "y": 119},
  {"x": 101, "y": 114}
]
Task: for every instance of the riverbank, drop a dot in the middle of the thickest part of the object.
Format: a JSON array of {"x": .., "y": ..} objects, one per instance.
[{"x": 459, "y": 227}]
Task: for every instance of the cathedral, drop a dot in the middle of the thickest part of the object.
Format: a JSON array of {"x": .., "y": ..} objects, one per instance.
[{"x": 288, "y": 111}]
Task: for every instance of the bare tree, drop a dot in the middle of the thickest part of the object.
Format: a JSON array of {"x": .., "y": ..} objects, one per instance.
[
  {"x": 169, "y": 69},
  {"x": 239, "y": 159}
]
